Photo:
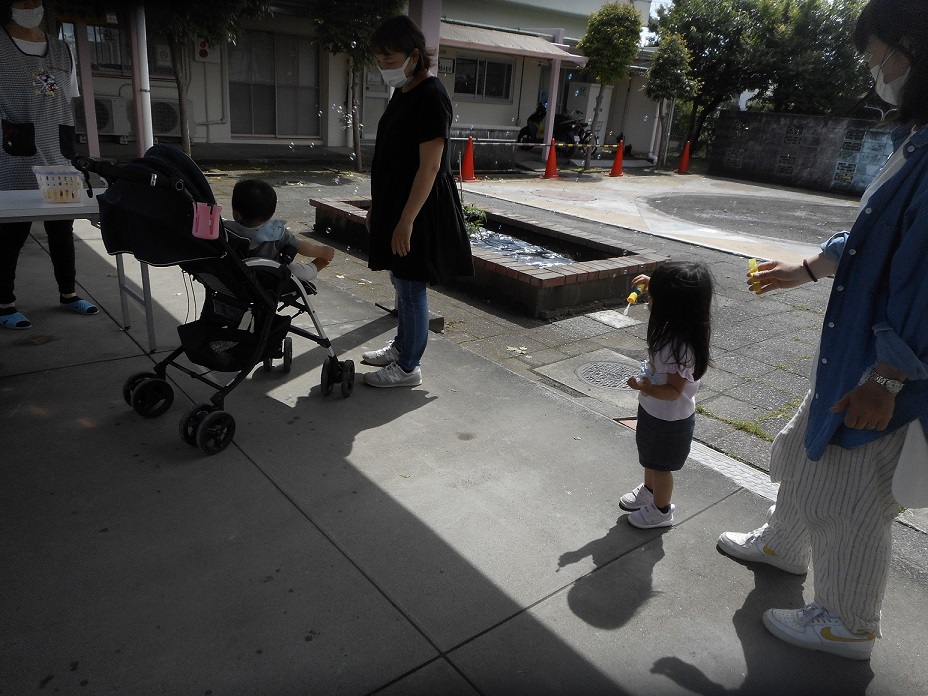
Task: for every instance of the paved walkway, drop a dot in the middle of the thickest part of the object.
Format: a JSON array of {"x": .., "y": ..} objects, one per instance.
[{"x": 461, "y": 537}]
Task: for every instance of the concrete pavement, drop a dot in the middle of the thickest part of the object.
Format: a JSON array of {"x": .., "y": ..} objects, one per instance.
[{"x": 460, "y": 537}]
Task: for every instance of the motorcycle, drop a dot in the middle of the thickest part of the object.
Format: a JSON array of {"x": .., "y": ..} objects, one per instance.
[{"x": 569, "y": 132}]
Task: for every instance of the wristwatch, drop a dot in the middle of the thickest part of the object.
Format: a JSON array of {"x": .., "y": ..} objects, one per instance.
[{"x": 893, "y": 386}]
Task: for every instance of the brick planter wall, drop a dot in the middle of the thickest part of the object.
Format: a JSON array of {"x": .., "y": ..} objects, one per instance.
[{"x": 540, "y": 292}]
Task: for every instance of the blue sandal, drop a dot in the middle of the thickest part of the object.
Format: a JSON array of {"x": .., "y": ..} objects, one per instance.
[
  {"x": 81, "y": 306},
  {"x": 16, "y": 321}
]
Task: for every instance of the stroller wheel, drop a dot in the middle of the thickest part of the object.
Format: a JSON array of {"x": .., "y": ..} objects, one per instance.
[
  {"x": 288, "y": 353},
  {"x": 215, "y": 432},
  {"x": 152, "y": 397},
  {"x": 191, "y": 420},
  {"x": 130, "y": 384},
  {"x": 327, "y": 374},
  {"x": 268, "y": 364},
  {"x": 347, "y": 378}
]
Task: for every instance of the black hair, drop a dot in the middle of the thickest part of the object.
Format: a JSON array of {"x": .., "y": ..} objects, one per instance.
[
  {"x": 254, "y": 200},
  {"x": 903, "y": 26},
  {"x": 402, "y": 35},
  {"x": 681, "y": 294}
]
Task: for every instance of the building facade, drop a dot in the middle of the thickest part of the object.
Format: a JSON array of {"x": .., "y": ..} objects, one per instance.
[{"x": 497, "y": 58}]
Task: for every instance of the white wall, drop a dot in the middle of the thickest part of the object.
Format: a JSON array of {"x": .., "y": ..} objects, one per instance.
[
  {"x": 636, "y": 120},
  {"x": 532, "y": 14}
]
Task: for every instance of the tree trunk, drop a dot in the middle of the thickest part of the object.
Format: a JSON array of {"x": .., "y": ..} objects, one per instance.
[
  {"x": 177, "y": 50},
  {"x": 691, "y": 127},
  {"x": 703, "y": 115},
  {"x": 662, "y": 121},
  {"x": 356, "y": 80},
  {"x": 665, "y": 135},
  {"x": 596, "y": 110}
]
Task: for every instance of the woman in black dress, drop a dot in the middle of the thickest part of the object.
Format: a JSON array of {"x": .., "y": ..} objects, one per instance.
[{"x": 415, "y": 220}]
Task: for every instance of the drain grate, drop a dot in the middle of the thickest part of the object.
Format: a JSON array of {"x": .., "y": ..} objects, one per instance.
[{"x": 611, "y": 375}]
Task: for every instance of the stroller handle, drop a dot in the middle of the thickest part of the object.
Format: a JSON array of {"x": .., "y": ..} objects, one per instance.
[{"x": 111, "y": 172}]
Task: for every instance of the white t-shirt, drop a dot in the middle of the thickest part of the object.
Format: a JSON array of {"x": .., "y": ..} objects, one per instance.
[
  {"x": 37, "y": 48},
  {"x": 661, "y": 365}
]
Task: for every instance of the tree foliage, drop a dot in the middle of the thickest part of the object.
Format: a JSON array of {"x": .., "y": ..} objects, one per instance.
[
  {"x": 217, "y": 21},
  {"x": 610, "y": 44},
  {"x": 813, "y": 66},
  {"x": 720, "y": 38},
  {"x": 669, "y": 78},
  {"x": 349, "y": 33},
  {"x": 670, "y": 75},
  {"x": 798, "y": 55}
]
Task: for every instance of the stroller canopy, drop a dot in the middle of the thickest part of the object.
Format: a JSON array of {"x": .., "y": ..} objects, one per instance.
[{"x": 147, "y": 210}]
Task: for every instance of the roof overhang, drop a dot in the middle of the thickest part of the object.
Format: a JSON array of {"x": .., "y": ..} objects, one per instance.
[{"x": 504, "y": 42}]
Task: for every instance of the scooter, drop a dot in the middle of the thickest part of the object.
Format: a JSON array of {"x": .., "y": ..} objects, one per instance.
[{"x": 568, "y": 131}]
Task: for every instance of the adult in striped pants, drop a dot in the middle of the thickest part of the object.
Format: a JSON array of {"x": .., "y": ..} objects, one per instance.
[{"x": 836, "y": 458}]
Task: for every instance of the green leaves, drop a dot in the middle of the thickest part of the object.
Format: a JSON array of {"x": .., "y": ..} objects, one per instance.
[
  {"x": 611, "y": 42},
  {"x": 670, "y": 76},
  {"x": 217, "y": 21}
]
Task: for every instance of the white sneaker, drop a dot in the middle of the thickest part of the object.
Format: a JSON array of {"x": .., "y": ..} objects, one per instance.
[
  {"x": 394, "y": 376},
  {"x": 751, "y": 547},
  {"x": 816, "y": 628},
  {"x": 636, "y": 499},
  {"x": 381, "y": 357},
  {"x": 649, "y": 517}
]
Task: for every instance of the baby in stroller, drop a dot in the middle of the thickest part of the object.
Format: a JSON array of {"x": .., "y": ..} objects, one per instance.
[
  {"x": 154, "y": 208},
  {"x": 253, "y": 205}
]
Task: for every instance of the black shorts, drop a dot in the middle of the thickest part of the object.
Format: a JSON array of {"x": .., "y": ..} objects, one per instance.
[{"x": 663, "y": 445}]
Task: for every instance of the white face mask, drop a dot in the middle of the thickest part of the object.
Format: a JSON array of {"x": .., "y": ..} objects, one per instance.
[
  {"x": 396, "y": 77},
  {"x": 890, "y": 92},
  {"x": 30, "y": 18}
]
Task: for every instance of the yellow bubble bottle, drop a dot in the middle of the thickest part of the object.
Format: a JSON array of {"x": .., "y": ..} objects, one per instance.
[
  {"x": 633, "y": 297},
  {"x": 752, "y": 267}
]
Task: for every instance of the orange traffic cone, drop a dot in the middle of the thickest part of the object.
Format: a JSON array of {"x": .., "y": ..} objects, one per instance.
[
  {"x": 551, "y": 165},
  {"x": 617, "y": 162},
  {"x": 684, "y": 167},
  {"x": 467, "y": 166}
]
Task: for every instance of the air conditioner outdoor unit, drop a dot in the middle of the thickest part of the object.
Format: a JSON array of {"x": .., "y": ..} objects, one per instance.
[
  {"x": 112, "y": 117},
  {"x": 165, "y": 117}
]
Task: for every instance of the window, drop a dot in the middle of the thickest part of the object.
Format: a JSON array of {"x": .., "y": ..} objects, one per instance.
[
  {"x": 110, "y": 52},
  {"x": 482, "y": 79},
  {"x": 274, "y": 85}
]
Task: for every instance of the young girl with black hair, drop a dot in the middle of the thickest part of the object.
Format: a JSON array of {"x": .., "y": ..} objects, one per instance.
[{"x": 680, "y": 299}]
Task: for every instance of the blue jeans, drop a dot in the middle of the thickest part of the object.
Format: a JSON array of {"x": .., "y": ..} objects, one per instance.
[{"x": 412, "y": 309}]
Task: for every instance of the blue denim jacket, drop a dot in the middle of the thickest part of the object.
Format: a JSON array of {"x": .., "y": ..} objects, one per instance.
[{"x": 878, "y": 308}]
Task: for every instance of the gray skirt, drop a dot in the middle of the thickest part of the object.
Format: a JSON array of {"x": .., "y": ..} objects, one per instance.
[{"x": 663, "y": 445}]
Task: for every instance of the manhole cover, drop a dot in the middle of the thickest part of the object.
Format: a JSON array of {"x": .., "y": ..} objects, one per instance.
[{"x": 611, "y": 375}]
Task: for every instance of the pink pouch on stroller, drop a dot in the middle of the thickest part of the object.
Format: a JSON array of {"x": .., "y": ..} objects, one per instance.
[{"x": 206, "y": 220}]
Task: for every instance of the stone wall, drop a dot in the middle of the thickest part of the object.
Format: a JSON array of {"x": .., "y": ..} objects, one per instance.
[{"x": 821, "y": 153}]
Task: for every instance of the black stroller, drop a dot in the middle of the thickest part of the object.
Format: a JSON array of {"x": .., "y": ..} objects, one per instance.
[{"x": 152, "y": 209}]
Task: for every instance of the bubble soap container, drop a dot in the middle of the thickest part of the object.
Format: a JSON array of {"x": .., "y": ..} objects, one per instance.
[{"x": 59, "y": 183}]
